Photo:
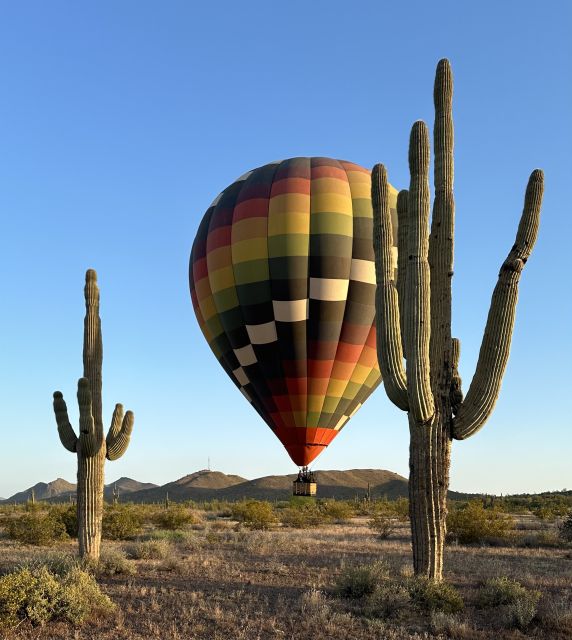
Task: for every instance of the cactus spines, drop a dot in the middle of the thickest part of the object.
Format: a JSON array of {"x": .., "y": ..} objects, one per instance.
[
  {"x": 90, "y": 446},
  {"x": 413, "y": 319}
]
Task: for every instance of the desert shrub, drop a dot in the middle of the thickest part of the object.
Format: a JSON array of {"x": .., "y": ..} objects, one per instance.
[
  {"x": 300, "y": 518},
  {"x": 302, "y": 513},
  {"x": 362, "y": 580},
  {"x": 175, "y": 537},
  {"x": 170, "y": 565},
  {"x": 400, "y": 508},
  {"x": 336, "y": 510},
  {"x": 565, "y": 528},
  {"x": 58, "y": 563},
  {"x": 388, "y": 600},
  {"x": 218, "y": 525},
  {"x": 499, "y": 591},
  {"x": 315, "y": 604},
  {"x": 37, "y": 527},
  {"x": 540, "y": 539},
  {"x": 430, "y": 596},
  {"x": 518, "y": 605},
  {"x": 113, "y": 563},
  {"x": 383, "y": 525},
  {"x": 254, "y": 514},
  {"x": 40, "y": 596},
  {"x": 149, "y": 550},
  {"x": 120, "y": 522},
  {"x": 448, "y": 625},
  {"x": 173, "y": 518},
  {"x": 67, "y": 514},
  {"x": 551, "y": 508},
  {"x": 473, "y": 523},
  {"x": 26, "y": 594}
]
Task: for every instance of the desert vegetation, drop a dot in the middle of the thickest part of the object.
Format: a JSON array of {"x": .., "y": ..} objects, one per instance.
[{"x": 292, "y": 568}]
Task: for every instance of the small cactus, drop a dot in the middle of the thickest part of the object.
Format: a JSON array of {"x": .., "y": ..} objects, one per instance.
[
  {"x": 413, "y": 321},
  {"x": 91, "y": 447}
]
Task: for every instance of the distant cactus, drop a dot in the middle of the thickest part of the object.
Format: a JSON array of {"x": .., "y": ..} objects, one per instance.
[
  {"x": 90, "y": 446},
  {"x": 414, "y": 322}
]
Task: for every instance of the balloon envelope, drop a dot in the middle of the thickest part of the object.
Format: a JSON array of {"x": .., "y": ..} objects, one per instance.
[{"x": 282, "y": 280}]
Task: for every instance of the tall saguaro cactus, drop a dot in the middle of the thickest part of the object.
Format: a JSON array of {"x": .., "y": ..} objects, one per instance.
[
  {"x": 413, "y": 321},
  {"x": 91, "y": 447}
]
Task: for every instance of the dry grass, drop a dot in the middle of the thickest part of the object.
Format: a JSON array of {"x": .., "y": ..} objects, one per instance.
[{"x": 218, "y": 583}]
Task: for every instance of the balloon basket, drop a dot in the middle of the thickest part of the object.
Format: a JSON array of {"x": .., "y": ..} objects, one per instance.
[{"x": 305, "y": 484}]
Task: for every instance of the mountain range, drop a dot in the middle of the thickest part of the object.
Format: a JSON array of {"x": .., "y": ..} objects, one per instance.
[{"x": 211, "y": 485}]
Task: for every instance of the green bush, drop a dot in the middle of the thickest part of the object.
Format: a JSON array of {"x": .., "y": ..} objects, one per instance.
[
  {"x": 41, "y": 528},
  {"x": 518, "y": 605},
  {"x": 473, "y": 523},
  {"x": 503, "y": 590},
  {"x": 68, "y": 516},
  {"x": 176, "y": 537},
  {"x": 173, "y": 518},
  {"x": 149, "y": 550},
  {"x": 565, "y": 528},
  {"x": 336, "y": 510},
  {"x": 362, "y": 580},
  {"x": 254, "y": 514},
  {"x": 40, "y": 596},
  {"x": 113, "y": 562},
  {"x": 434, "y": 596},
  {"x": 302, "y": 514},
  {"x": 120, "y": 522}
]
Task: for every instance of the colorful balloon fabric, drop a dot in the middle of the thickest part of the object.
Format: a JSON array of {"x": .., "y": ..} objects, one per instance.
[{"x": 282, "y": 281}]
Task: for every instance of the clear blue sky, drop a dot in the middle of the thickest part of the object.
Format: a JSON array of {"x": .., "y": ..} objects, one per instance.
[{"x": 120, "y": 122}]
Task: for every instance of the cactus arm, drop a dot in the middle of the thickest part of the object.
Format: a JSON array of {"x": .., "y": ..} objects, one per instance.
[
  {"x": 89, "y": 442},
  {"x": 388, "y": 334},
  {"x": 442, "y": 229},
  {"x": 402, "y": 231},
  {"x": 456, "y": 382},
  {"x": 495, "y": 347},
  {"x": 119, "y": 433},
  {"x": 418, "y": 320},
  {"x": 65, "y": 430}
]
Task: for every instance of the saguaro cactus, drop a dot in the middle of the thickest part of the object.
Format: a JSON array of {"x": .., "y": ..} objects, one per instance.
[
  {"x": 413, "y": 321},
  {"x": 91, "y": 447}
]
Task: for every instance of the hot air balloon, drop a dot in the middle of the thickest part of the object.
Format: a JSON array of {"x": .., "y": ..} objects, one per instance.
[{"x": 282, "y": 281}]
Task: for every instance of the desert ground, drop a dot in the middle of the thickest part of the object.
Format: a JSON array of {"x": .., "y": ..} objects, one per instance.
[{"x": 215, "y": 578}]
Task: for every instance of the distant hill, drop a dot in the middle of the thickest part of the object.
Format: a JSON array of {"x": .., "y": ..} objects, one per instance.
[
  {"x": 60, "y": 490},
  {"x": 201, "y": 485},
  {"x": 211, "y": 485},
  {"x": 44, "y": 491},
  {"x": 206, "y": 485},
  {"x": 125, "y": 486}
]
